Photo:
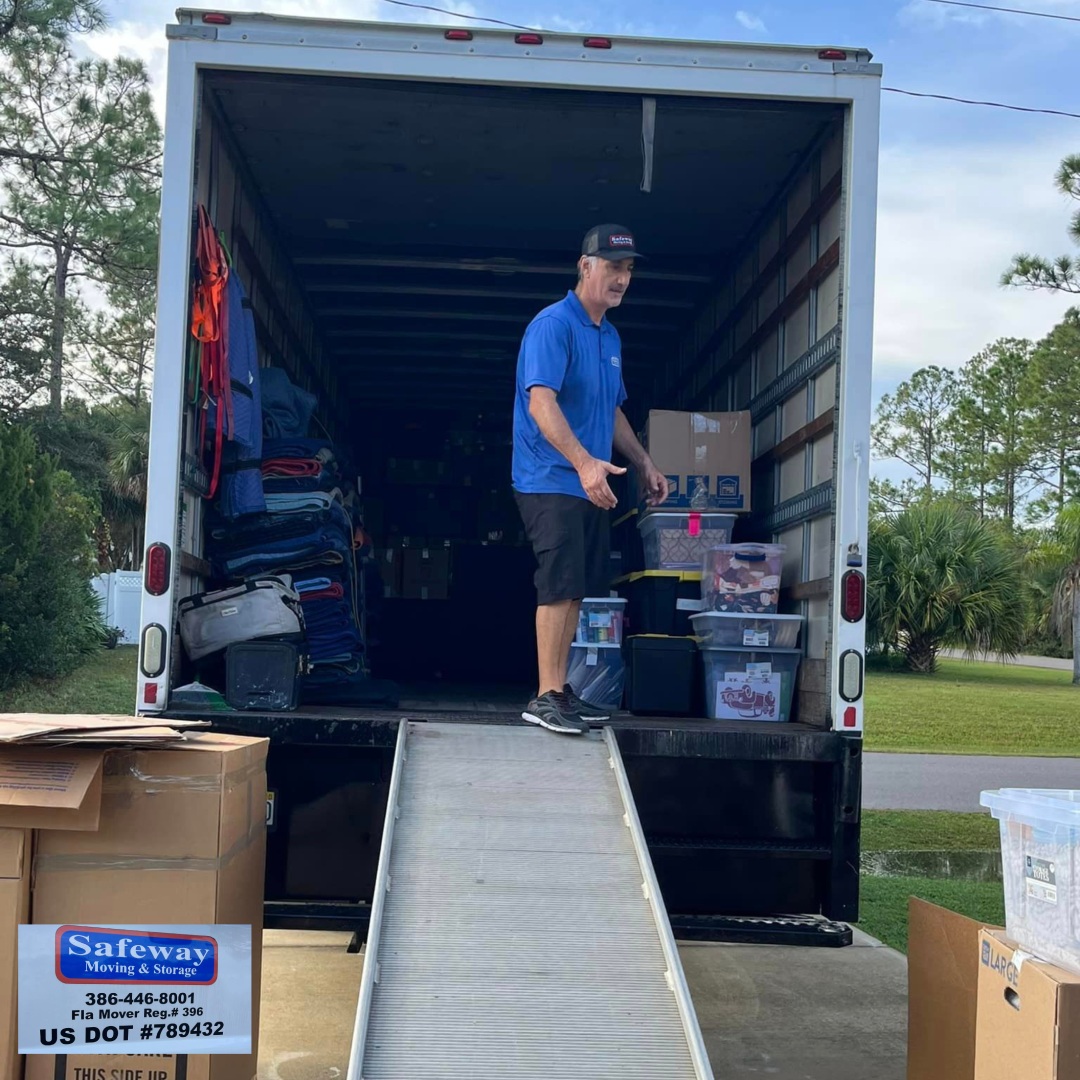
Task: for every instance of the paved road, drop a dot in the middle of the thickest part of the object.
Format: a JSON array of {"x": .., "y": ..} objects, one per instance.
[
  {"x": 952, "y": 782},
  {"x": 1049, "y": 662}
]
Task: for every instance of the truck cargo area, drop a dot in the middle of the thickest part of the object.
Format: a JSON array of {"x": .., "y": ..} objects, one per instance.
[{"x": 398, "y": 204}]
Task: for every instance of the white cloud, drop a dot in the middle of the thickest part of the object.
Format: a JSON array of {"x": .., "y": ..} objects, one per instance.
[
  {"x": 948, "y": 225},
  {"x": 750, "y": 22}
]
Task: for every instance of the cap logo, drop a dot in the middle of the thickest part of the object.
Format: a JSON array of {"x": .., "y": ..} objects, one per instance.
[{"x": 621, "y": 240}]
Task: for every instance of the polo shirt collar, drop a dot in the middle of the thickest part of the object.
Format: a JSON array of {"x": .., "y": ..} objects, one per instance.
[{"x": 579, "y": 310}]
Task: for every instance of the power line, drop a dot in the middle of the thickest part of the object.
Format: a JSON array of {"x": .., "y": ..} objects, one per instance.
[
  {"x": 988, "y": 104},
  {"x": 1009, "y": 10},
  {"x": 457, "y": 14}
]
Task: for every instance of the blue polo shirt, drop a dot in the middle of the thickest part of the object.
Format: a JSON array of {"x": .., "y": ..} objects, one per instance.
[{"x": 565, "y": 350}]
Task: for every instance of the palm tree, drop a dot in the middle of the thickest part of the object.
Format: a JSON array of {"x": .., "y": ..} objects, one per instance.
[
  {"x": 1065, "y": 609},
  {"x": 940, "y": 577},
  {"x": 125, "y": 495}
]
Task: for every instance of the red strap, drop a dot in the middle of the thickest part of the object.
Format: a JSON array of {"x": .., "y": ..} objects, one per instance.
[{"x": 694, "y": 525}]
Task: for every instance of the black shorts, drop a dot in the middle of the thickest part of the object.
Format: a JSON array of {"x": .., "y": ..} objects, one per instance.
[{"x": 571, "y": 540}]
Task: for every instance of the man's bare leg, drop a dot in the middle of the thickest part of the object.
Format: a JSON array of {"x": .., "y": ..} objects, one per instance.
[{"x": 554, "y": 632}]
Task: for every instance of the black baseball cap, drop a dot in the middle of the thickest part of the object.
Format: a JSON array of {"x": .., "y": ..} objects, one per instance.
[{"x": 610, "y": 242}]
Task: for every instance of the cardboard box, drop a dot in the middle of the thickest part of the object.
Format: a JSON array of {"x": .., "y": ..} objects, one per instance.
[
  {"x": 14, "y": 909},
  {"x": 180, "y": 838},
  {"x": 1028, "y": 1023},
  {"x": 943, "y": 979},
  {"x": 702, "y": 448},
  {"x": 426, "y": 573}
]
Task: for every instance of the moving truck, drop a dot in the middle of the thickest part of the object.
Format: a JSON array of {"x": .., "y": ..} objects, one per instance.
[{"x": 399, "y": 201}]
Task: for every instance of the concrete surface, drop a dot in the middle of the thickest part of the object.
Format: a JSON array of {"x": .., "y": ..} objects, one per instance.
[
  {"x": 954, "y": 782},
  {"x": 1049, "y": 663},
  {"x": 781, "y": 1013}
]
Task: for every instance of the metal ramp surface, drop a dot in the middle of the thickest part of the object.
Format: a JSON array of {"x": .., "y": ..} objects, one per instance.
[{"x": 517, "y": 930}]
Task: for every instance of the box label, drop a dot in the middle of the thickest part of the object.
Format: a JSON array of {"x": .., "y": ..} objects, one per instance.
[
  {"x": 119, "y": 990},
  {"x": 1041, "y": 879},
  {"x": 740, "y": 696},
  {"x": 121, "y": 1067},
  {"x": 1001, "y": 963},
  {"x": 756, "y": 638}
]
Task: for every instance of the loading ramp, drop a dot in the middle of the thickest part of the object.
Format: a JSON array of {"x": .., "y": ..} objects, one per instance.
[{"x": 517, "y": 930}]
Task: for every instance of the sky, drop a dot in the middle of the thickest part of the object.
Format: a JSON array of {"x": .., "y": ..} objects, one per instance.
[{"x": 962, "y": 188}]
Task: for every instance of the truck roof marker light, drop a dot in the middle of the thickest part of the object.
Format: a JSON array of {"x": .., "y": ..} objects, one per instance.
[
  {"x": 217, "y": 18},
  {"x": 597, "y": 43},
  {"x": 529, "y": 39},
  {"x": 832, "y": 54},
  {"x": 458, "y": 35},
  {"x": 158, "y": 567}
]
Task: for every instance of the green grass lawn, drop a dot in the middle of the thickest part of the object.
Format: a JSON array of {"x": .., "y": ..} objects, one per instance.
[
  {"x": 884, "y": 900},
  {"x": 974, "y": 708},
  {"x": 104, "y": 684}
]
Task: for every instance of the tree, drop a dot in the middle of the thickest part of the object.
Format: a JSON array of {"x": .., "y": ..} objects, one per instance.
[
  {"x": 990, "y": 429},
  {"x": 938, "y": 576},
  {"x": 80, "y": 195},
  {"x": 1065, "y": 612},
  {"x": 1052, "y": 393},
  {"x": 25, "y": 320},
  {"x": 53, "y": 18},
  {"x": 911, "y": 424},
  {"x": 1063, "y": 273}
]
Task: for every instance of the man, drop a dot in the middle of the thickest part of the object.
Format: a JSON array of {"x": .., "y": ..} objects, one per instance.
[{"x": 567, "y": 418}]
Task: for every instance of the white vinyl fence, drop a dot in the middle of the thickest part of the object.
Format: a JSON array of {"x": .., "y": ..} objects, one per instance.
[{"x": 120, "y": 594}]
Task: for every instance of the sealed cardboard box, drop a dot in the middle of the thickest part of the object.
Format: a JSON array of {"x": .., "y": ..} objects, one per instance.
[
  {"x": 14, "y": 909},
  {"x": 943, "y": 980},
  {"x": 426, "y": 573},
  {"x": 1028, "y": 1015},
  {"x": 180, "y": 838},
  {"x": 710, "y": 449}
]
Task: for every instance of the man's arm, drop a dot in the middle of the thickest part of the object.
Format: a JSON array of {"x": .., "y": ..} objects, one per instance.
[
  {"x": 626, "y": 442},
  {"x": 544, "y": 409}
]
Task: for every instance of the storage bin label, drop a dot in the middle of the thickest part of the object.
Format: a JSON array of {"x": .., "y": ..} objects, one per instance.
[
  {"x": 1041, "y": 879},
  {"x": 756, "y": 638},
  {"x": 134, "y": 989},
  {"x": 740, "y": 696}
]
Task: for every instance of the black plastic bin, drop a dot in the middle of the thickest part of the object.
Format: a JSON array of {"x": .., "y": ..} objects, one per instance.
[
  {"x": 262, "y": 676},
  {"x": 654, "y": 597},
  {"x": 662, "y": 676}
]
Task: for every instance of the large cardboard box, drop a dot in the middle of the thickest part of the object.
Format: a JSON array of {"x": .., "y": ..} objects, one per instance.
[
  {"x": 1028, "y": 1015},
  {"x": 178, "y": 836},
  {"x": 943, "y": 979},
  {"x": 702, "y": 448},
  {"x": 14, "y": 909},
  {"x": 426, "y": 573}
]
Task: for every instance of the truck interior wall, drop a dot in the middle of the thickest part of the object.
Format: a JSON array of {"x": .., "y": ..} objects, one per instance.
[
  {"x": 751, "y": 311},
  {"x": 769, "y": 342}
]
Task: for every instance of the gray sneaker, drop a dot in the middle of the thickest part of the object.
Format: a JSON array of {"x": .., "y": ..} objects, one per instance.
[
  {"x": 587, "y": 712},
  {"x": 552, "y": 711}
]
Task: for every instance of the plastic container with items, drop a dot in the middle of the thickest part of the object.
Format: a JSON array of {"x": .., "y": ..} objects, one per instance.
[
  {"x": 750, "y": 685},
  {"x": 735, "y": 630},
  {"x": 600, "y": 621},
  {"x": 743, "y": 577},
  {"x": 1040, "y": 862},
  {"x": 679, "y": 540},
  {"x": 597, "y": 674},
  {"x": 661, "y": 601},
  {"x": 660, "y": 675}
]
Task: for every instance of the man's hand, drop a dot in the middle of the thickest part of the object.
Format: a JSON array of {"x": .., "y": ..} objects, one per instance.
[
  {"x": 656, "y": 484},
  {"x": 594, "y": 475}
]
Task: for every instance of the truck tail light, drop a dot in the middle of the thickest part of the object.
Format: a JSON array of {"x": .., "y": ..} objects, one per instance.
[
  {"x": 150, "y": 693},
  {"x": 597, "y": 43},
  {"x": 529, "y": 39},
  {"x": 851, "y": 675},
  {"x": 152, "y": 650},
  {"x": 158, "y": 566},
  {"x": 853, "y": 596},
  {"x": 851, "y": 717},
  {"x": 832, "y": 54},
  {"x": 458, "y": 35},
  {"x": 217, "y": 18}
]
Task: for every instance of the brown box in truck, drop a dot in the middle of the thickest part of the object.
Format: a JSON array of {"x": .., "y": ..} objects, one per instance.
[
  {"x": 1028, "y": 1015},
  {"x": 14, "y": 909},
  {"x": 701, "y": 448},
  {"x": 426, "y": 573},
  {"x": 180, "y": 838}
]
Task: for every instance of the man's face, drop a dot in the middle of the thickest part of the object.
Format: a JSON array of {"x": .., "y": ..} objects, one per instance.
[{"x": 605, "y": 281}]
